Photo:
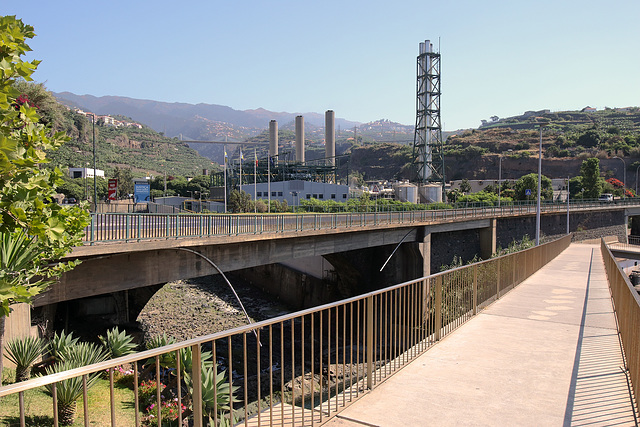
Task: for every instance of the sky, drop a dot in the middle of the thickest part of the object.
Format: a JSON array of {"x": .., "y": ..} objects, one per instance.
[{"x": 357, "y": 58}]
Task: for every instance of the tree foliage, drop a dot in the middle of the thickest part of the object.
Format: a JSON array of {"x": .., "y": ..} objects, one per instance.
[
  {"x": 34, "y": 231},
  {"x": 591, "y": 181},
  {"x": 530, "y": 182}
]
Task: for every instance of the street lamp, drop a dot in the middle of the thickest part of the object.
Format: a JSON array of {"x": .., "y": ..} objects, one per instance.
[
  {"x": 539, "y": 186},
  {"x": 624, "y": 176}
]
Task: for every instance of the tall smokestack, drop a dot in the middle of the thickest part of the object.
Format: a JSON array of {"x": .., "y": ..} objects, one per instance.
[
  {"x": 273, "y": 138},
  {"x": 300, "y": 139},
  {"x": 330, "y": 137}
]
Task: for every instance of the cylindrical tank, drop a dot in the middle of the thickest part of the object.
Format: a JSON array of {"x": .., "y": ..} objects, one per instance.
[
  {"x": 300, "y": 139},
  {"x": 273, "y": 138},
  {"x": 330, "y": 137}
]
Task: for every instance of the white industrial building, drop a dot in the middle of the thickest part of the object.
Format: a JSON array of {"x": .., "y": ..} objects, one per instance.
[
  {"x": 295, "y": 191},
  {"x": 85, "y": 172}
]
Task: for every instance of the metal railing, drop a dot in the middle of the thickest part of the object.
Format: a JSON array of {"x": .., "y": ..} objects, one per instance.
[
  {"x": 626, "y": 303},
  {"x": 303, "y": 368},
  {"x": 136, "y": 227}
]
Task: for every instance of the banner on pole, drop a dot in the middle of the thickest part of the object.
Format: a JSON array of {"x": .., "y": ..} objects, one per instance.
[{"x": 113, "y": 189}]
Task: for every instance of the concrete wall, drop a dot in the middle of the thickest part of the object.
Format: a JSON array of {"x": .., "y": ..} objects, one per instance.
[{"x": 584, "y": 225}]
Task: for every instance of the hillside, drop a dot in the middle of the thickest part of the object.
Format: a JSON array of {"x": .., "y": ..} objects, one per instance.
[{"x": 136, "y": 148}]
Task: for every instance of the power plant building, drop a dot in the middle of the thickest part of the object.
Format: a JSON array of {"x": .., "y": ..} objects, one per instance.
[{"x": 295, "y": 191}]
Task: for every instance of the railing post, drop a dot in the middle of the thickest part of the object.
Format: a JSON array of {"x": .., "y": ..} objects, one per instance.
[
  {"x": 93, "y": 228},
  {"x": 370, "y": 362},
  {"x": 498, "y": 280},
  {"x": 127, "y": 232},
  {"x": 196, "y": 372},
  {"x": 438, "y": 306},
  {"x": 475, "y": 290}
]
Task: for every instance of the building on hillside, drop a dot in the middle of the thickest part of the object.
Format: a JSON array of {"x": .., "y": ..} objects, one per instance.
[
  {"x": 588, "y": 109},
  {"x": 85, "y": 173}
]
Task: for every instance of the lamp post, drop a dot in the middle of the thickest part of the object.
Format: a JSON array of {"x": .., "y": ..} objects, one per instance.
[
  {"x": 637, "y": 180},
  {"x": 539, "y": 186},
  {"x": 624, "y": 176}
]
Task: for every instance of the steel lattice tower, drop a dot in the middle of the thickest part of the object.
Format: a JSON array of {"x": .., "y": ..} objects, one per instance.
[{"x": 428, "y": 153}]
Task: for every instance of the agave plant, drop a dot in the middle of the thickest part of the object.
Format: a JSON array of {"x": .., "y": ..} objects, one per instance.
[
  {"x": 118, "y": 343},
  {"x": 59, "y": 343},
  {"x": 216, "y": 398},
  {"x": 69, "y": 391},
  {"x": 167, "y": 360},
  {"x": 23, "y": 352}
]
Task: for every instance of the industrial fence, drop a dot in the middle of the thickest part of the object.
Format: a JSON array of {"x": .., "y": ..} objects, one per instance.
[
  {"x": 626, "y": 303},
  {"x": 299, "y": 369},
  {"x": 113, "y": 227}
]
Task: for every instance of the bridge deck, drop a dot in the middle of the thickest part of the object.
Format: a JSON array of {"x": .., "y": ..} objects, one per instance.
[{"x": 547, "y": 353}]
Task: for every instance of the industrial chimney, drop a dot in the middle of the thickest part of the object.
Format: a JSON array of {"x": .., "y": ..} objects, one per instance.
[
  {"x": 273, "y": 138},
  {"x": 330, "y": 137},
  {"x": 300, "y": 139}
]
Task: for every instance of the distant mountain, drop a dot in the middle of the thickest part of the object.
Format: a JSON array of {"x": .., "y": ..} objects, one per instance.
[{"x": 198, "y": 122}]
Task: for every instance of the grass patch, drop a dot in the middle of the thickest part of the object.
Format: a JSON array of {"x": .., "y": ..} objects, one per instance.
[{"x": 39, "y": 407}]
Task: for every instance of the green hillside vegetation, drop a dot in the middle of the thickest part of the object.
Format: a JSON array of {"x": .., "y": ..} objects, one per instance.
[
  {"x": 143, "y": 152},
  {"x": 607, "y": 133}
]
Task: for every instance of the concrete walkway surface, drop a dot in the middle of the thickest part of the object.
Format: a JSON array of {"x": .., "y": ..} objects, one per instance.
[{"x": 546, "y": 354}]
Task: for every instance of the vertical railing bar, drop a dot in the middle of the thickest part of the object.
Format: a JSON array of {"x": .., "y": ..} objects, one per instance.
[
  {"x": 369, "y": 327},
  {"x": 196, "y": 376},
  {"x": 214, "y": 356},
  {"x": 282, "y": 373},
  {"x": 351, "y": 353},
  {"x": 293, "y": 373},
  {"x": 179, "y": 381},
  {"x": 328, "y": 361},
  {"x": 158, "y": 391},
  {"x": 244, "y": 365},
  {"x": 230, "y": 376},
  {"x": 135, "y": 395},
  {"x": 259, "y": 371},
  {"x": 111, "y": 398},
  {"x": 344, "y": 355},
  {"x": 320, "y": 371},
  {"x": 270, "y": 376},
  {"x": 302, "y": 366},
  {"x": 336, "y": 359},
  {"x": 85, "y": 400},
  {"x": 359, "y": 347},
  {"x": 313, "y": 373}
]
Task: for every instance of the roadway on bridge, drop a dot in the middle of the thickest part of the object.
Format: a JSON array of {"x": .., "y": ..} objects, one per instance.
[{"x": 547, "y": 353}]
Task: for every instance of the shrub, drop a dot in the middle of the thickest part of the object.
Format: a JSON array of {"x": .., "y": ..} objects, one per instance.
[
  {"x": 23, "y": 351},
  {"x": 117, "y": 343}
]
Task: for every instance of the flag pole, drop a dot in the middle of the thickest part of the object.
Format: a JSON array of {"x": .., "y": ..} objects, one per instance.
[
  {"x": 241, "y": 169},
  {"x": 255, "y": 180},
  {"x": 225, "y": 179},
  {"x": 269, "y": 182}
]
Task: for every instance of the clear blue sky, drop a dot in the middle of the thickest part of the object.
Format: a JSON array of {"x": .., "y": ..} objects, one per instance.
[{"x": 355, "y": 57}]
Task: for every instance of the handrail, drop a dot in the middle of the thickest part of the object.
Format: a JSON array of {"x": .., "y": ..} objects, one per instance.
[
  {"x": 394, "y": 325},
  {"x": 114, "y": 227},
  {"x": 626, "y": 301}
]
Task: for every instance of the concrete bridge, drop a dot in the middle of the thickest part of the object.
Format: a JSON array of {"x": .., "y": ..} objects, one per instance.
[{"x": 129, "y": 251}]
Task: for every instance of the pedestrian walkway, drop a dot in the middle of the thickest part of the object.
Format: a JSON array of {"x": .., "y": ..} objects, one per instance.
[{"x": 545, "y": 354}]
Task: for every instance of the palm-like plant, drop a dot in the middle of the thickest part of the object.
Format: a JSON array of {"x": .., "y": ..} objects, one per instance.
[
  {"x": 23, "y": 352},
  {"x": 117, "y": 343},
  {"x": 69, "y": 391},
  {"x": 215, "y": 393},
  {"x": 59, "y": 343}
]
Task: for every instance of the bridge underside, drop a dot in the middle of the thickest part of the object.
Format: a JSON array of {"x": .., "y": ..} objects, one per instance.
[{"x": 125, "y": 271}]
